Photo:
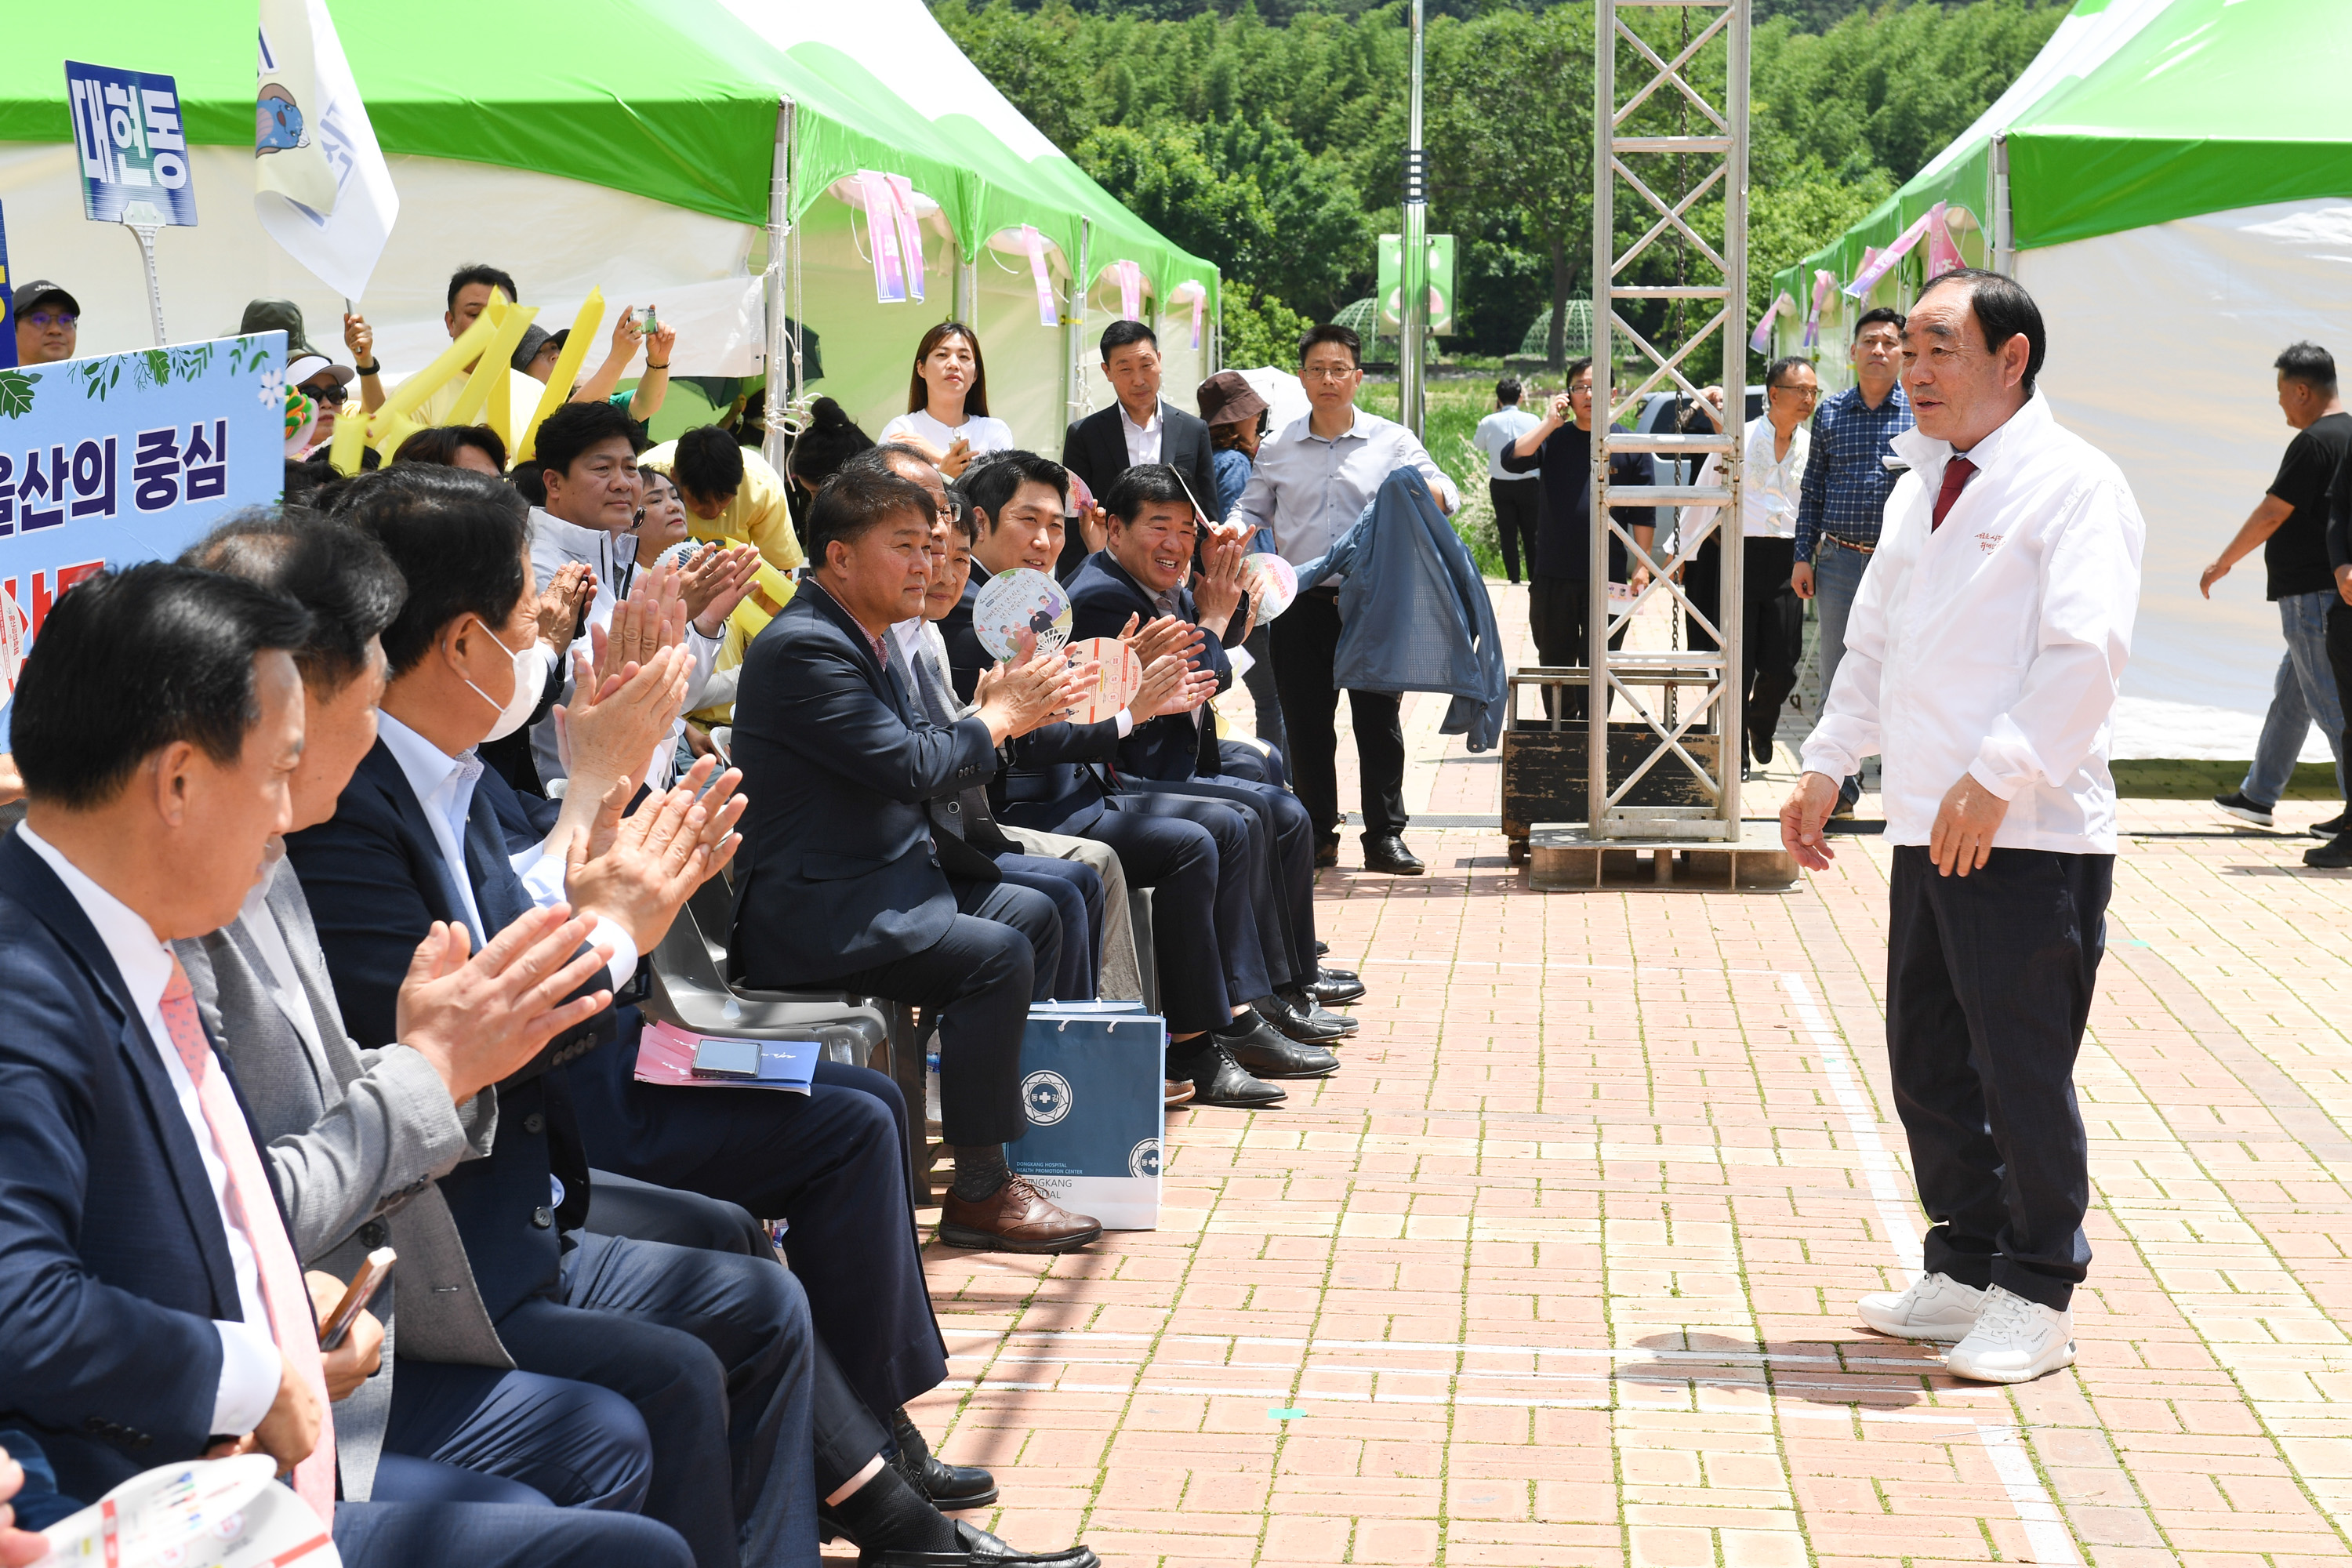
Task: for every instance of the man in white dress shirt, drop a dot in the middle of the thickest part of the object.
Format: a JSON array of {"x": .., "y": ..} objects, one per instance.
[
  {"x": 1982, "y": 656},
  {"x": 1309, "y": 487},
  {"x": 1773, "y": 628}
]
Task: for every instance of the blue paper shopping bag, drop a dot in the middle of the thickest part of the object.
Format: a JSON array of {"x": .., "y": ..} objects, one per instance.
[{"x": 1091, "y": 1086}]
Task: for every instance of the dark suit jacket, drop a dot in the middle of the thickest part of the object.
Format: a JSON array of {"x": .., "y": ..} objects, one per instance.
[
  {"x": 376, "y": 882},
  {"x": 839, "y": 871},
  {"x": 113, "y": 1259},
  {"x": 1095, "y": 447},
  {"x": 1102, "y": 596},
  {"x": 1054, "y": 779}
]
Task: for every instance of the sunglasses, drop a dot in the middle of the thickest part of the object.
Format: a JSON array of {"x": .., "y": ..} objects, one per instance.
[{"x": 47, "y": 319}]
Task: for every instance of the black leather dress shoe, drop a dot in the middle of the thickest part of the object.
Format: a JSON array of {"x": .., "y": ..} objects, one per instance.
[
  {"x": 948, "y": 1485},
  {"x": 1302, "y": 1019},
  {"x": 1326, "y": 852},
  {"x": 1266, "y": 1052},
  {"x": 1335, "y": 988},
  {"x": 1217, "y": 1080},
  {"x": 1386, "y": 852},
  {"x": 981, "y": 1550}
]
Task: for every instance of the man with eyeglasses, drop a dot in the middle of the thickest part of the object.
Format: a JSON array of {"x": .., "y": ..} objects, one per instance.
[
  {"x": 1772, "y": 640},
  {"x": 47, "y": 318},
  {"x": 1308, "y": 488}
]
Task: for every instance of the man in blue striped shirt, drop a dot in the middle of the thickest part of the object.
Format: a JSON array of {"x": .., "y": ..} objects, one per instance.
[{"x": 1846, "y": 485}]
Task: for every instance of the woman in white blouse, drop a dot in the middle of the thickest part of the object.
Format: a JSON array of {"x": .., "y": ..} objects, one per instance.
[{"x": 947, "y": 402}]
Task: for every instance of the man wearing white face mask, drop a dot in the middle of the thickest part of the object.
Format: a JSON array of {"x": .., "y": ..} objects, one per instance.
[{"x": 593, "y": 505}]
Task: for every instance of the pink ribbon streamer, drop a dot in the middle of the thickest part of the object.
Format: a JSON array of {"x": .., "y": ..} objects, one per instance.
[
  {"x": 1943, "y": 251},
  {"x": 1875, "y": 266},
  {"x": 1131, "y": 290},
  {"x": 1048, "y": 314},
  {"x": 1200, "y": 300},
  {"x": 882, "y": 229},
  {"x": 1760, "y": 340},
  {"x": 910, "y": 232},
  {"x": 1824, "y": 284}
]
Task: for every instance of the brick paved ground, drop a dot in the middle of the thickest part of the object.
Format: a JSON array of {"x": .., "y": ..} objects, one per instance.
[{"x": 1559, "y": 1269}]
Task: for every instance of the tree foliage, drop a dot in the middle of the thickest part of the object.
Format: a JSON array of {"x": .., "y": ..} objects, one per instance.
[{"x": 1269, "y": 136}]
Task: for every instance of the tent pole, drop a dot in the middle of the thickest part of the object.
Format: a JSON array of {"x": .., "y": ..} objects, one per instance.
[
  {"x": 1073, "y": 366},
  {"x": 783, "y": 345},
  {"x": 2004, "y": 244},
  {"x": 966, "y": 297},
  {"x": 1412, "y": 254}
]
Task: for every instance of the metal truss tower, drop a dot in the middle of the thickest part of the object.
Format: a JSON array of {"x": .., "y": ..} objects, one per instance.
[{"x": 1686, "y": 736}]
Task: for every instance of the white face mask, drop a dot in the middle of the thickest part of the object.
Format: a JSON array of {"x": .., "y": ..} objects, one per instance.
[{"x": 529, "y": 682}]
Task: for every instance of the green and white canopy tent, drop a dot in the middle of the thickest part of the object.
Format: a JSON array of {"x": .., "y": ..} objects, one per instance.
[
  {"x": 663, "y": 150},
  {"x": 2173, "y": 181}
]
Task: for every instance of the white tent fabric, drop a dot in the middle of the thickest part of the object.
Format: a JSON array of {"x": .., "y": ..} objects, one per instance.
[{"x": 2160, "y": 347}]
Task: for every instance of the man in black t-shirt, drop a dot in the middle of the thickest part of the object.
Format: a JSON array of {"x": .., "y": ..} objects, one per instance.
[{"x": 2291, "y": 525}]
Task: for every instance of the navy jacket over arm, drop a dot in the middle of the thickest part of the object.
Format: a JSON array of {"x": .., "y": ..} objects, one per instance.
[
  {"x": 1102, "y": 596},
  {"x": 113, "y": 1259},
  {"x": 376, "y": 882},
  {"x": 839, "y": 872}
]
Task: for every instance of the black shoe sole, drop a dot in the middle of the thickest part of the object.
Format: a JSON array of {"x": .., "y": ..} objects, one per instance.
[
  {"x": 984, "y": 1241},
  {"x": 977, "y": 1499},
  {"x": 1393, "y": 868},
  {"x": 1238, "y": 1104}
]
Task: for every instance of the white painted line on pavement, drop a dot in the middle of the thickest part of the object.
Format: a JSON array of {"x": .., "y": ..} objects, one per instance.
[
  {"x": 2047, "y": 1539},
  {"x": 1887, "y": 1188}
]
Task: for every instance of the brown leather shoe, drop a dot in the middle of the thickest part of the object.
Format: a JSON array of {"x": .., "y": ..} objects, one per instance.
[
  {"x": 1179, "y": 1091},
  {"x": 1018, "y": 1218}
]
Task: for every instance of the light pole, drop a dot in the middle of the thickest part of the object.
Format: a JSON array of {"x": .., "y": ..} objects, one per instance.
[{"x": 1413, "y": 258}]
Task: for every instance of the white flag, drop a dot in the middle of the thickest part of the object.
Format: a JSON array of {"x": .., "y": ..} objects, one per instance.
[{"x": 320, "y": 186}]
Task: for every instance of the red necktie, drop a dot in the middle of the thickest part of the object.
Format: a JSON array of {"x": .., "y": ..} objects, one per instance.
[
  {"x": 1957, "y": 474},
  {"x": 255, "y": 1213}
]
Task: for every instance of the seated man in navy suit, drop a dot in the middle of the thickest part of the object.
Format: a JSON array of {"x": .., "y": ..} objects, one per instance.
[
  {"x": 154, "y": 1310},
  {"x": 1204, "y": 859},
  {"x": 844, "y": 882},
  {"x": 1143, "y": 571}
]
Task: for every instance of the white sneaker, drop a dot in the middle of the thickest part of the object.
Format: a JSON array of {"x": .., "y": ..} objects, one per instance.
[
  {"x": 2015, "y": 1340},
  {"x": 1937, "y": 1307}
]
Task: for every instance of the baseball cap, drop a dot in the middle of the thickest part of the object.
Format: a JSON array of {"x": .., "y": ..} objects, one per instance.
[
  {"x": 40, "y": 290},
  {"x": 534, "y": 339},
  {"x": 1225, "y": 398}
]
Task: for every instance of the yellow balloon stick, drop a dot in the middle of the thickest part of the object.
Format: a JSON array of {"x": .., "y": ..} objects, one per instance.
[
  {"x": 497, "y": 358},
  {"x": 351, "y": 434},
  {"x": 410, "y": 393},
  {"x": 499, "y": 415},
  {"x": 568, "y": 362},
  {"x": 390, "y": 432}
]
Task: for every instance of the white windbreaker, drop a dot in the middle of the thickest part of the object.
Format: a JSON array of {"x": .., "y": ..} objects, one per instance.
[{"x": 1993, "y": 646}]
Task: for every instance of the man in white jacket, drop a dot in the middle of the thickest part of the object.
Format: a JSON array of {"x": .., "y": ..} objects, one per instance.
[{"x": 1981, "y": 662}]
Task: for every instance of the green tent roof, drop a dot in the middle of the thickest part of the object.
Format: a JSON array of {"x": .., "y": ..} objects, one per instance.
[
  {"x": 673, "y": 100},
  {"x": 2142, "y": 111}
]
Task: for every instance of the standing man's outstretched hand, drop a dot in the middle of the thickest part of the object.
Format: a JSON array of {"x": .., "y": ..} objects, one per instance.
[{"x": 1804, "y": 817}]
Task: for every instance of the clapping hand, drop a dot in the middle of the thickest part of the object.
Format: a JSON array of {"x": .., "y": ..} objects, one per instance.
[
  {"x": 1161, "y": 636},
  {"x": 1021, "y": 696},
  {"x": 1218, "y": 591},
  {"x": 715, "y": 582},
  {"x": 479, "y": 1019},
  {"x": 668, "y": 846},
  {"x": 560, "y": 602},
  {"x": 1171, "y": 685}
]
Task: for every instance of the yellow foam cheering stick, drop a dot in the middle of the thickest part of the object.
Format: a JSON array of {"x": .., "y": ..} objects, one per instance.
[
  {"x": 410, "y": 395},
  {"x": 574, "y": 355},
  {"x": 351, "y": 434},
  {"x": 495, "y": 361}
]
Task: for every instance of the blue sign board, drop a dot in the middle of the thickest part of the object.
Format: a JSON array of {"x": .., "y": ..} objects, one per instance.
[
  {"x": 133, "y": 456},
  {"x": 133, "y": 151}
]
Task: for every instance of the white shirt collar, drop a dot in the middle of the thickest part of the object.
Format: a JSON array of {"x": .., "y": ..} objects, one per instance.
[
  {"x": 428, "y": 769},
  {"x": 1355, "y": 428},
  {"x": 1148, "y": 426},
  {"x": 144, "y": 962},
  {"x": 909, "y": 633},
  {"x": 1928, "y": 453}
]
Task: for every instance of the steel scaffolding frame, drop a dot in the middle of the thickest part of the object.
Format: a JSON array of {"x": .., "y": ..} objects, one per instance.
[{"x": 1700, "y": 689}]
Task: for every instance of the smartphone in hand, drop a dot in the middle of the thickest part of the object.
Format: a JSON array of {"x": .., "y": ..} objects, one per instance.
[{"x": 365, "y": 1285}]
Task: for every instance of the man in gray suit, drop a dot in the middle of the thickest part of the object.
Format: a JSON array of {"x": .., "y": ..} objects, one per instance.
[{"x": 355, "y": 1139}]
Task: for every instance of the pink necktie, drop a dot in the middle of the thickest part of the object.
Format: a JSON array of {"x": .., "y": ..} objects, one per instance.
[
  {"x": 1957, "y": 474},
  {"x": 253, "y": 1212}
]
